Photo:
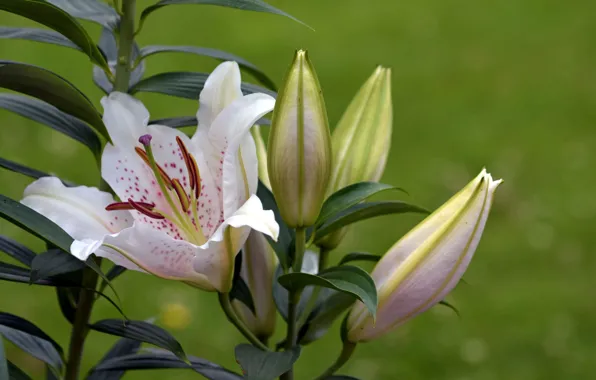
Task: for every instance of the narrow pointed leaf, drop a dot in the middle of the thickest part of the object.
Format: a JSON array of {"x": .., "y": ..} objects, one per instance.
[
  {"x": 185, "y": 84},
  {"x": 159, "y": 359},
  {"x": 247, "y": 5},
  {"x": 91, "y": 10},
  {"x": 141, "y": 331},
  {"x": 34, "y": 222},
  {"x": 213, "y": 53},
  {"x": 347, "y": 279},
  {"x": 17, "y": 323},
  {"x": 37, "y": 35},
  {"x": 15, "y": 373},
  {"x": 29, "y": 172},
  {"x": 359, "y": 256},
  {"x": 36, "y": 347},
  {"x": 16, "y": 250},
  {"x": 364, "y": 211},
  {"x": 53, "y": 263},
  {"x": 122, "y": 347},
  {"x": 349, "y": 196},
  {"x": 264, "y": 365},
  {"x": 281, "y": 297},
  {"x": 51, "y": 88},
  {"x": 240, "y": 290},
  {"x": 49, "y": 115},
  {"x": 67, "y": 300},
  {"x": 330, "y": 304},
  {"x": 55, "y": 18}
]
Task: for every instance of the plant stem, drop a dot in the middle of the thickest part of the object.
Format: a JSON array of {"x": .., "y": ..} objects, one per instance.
[
  {"x": 346, "y": 352},
  {"x": 226, "y": 305},
  {"x": 125, "y": 43},
  {"x": 294, "y": 298},
  {"x": 79, "y": 327},
  {"x": 323, "y": 256}
]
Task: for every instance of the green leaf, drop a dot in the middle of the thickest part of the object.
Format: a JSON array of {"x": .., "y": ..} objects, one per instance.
[
  {"x": 264, "y": 365},
  {"x": 347, "y": 279},
  {"x": 364, "y": 211},
  {"x": 213, "y": 53},
  {"x": 141, "y": 331},
  {"x": 349, "y": 196},
  {"x": 284, "y": 243},
  {"x": 29, "y": 172},
  {"x": 3, "y": 361},
  {"x": 15, "y": 373},
  {"x": 38, "y": 35},
  {"x": 157, "y": 359},
  {"x": 281, "y": 297},
  {"x": 49, "y": 115},
  {"x": 58, "y": 20},
  {"x": 34, "y": 222},
  {"x": 36, "y": 347},
  {"x": 51, "y": 88},
  {"x": 67, "y": 300},
  {"x": 17, "y": 323},
  {"x": 330, "y": 304},
  {"x": 16, "y": 250},
  {"x": 359, "y": 256},
  {"x": 53, "y": 263},
  {"x": 247, "y": 5},
  {"x": 240, "y": 290},
  {"x": 122, "y": 347},
  {"x": 185, "y": 84},
  {"x": 91, "y": 10}
]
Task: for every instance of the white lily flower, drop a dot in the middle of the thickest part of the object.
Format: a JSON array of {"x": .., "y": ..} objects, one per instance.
[
  {"x": 427, "y": 263},
  {"x": 187, "y": 206}
]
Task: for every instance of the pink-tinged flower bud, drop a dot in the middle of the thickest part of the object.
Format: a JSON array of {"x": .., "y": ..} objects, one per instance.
[
  {"x": 300, "y": 145},
  {"x": 427, "y": 263}
]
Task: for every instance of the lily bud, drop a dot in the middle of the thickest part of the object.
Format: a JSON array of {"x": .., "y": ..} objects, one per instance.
[
  {"x": 427, "y": 263},
  {"x": 361, "y": 140},
  {"x": 258, "y": 268},
  {"x": 300, "y": 145}
]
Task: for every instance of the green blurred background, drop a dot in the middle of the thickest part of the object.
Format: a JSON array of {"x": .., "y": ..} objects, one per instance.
[{"x": 507, "y": 84}]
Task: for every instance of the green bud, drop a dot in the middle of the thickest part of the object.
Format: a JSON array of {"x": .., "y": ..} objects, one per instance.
[
  {"x": 361, "y": 140},
  {"x": 300, "y": 145}
]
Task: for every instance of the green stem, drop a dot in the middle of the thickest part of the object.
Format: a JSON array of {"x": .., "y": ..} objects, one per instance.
[
  {"x": 346, "y": 352},
  {"x": 79, "y": 327},
  {"x": 125, "y": 43},
  {"x": 294, "y": 298},
  {"x": 226, "y": 305}
]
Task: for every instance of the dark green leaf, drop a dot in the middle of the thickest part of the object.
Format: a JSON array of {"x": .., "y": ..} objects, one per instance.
[
  {"x": 29, "y": 172},
  {"x": 284, "y": 243},
  {"x": 3, "y": 361},
  {"x": 141, "y": 331},
  {"x": 58, "y": 20},
  {"x": 17, "y": 323},
  {"x": 49, "y": 115},
  {"x": 52, "y": 89},
  {"x": 240, "y": 290},
  {"x": 52, "y": 263},
  {"x": 34, "y": 222},
  {"x": 122, "y": 347},
  {"x": 15, "y": 373},
  {"x": 213, "y": 53},
  {"x": 247, "y": 5},
  {"x": 330, "y": 304},
  {"x": 38, "y": 35},
  {"x": 347, "y": 279},
  {"x": 36, "y": 347},
  {"x": 158, "y": 359},
  {"x": 349, "y": 196},
  {"x": 16, "y": 250},
  {"x": 264, "y": 365},
  {"x": 450, "y": 306},
  {"x": 91, "y": 263},
  {"x": 281, "y": 296},
  {"x": 359, "y": 256},
  {"x": 185, "y": 84},
  {"x": 364, "y": 211},
  {"x": 67, "y": 300},
  {"x": 91, "y": 10}
]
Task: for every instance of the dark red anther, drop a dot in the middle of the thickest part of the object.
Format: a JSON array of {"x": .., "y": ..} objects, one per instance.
[
  {"x": 191, "y": 175},
  {"x": 116, "y": 206},
  {"x": 166, "y": 178},
  {"x": 139, "y": 206}
]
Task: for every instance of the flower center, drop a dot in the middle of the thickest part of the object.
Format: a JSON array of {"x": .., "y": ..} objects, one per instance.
[{"x": 184, "y": 206}]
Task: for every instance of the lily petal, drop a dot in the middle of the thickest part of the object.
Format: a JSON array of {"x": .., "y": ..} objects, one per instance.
[
  {"x": 215, "y": 259},
  {"x": 125, "y": 118}
]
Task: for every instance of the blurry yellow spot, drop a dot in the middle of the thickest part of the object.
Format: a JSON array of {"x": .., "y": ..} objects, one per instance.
[{"x": 175, "y": 316}]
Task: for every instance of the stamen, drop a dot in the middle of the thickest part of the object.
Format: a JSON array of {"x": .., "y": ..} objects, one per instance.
[
  {"x": 186, "y": 156},
  {"x": 143, "y": 210},
  {"x": 166, "y": 178},
  {"x": 197, "y": 175},
  {"x": 182, "y": 196},
  {"x": 127, "y": 206}
]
